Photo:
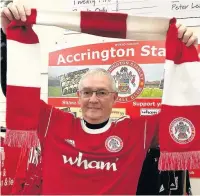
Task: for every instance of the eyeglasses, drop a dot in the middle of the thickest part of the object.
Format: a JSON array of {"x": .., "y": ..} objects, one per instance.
[{"x": 99, "y": 93}]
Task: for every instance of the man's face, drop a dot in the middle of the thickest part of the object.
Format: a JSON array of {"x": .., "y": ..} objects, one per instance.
[{"x": 96, "y": 106}]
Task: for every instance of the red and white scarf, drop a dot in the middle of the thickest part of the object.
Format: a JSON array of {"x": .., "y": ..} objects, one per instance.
[{"x": 179, "y": 125}]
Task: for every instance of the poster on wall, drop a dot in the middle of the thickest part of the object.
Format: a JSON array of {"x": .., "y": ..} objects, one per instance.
[{"x": 137, "y": 67}]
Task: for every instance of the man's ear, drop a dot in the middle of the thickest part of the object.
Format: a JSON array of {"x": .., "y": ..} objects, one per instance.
[
  {"x": 115, "y": 96},
  {"x": 79, "y": 96}
]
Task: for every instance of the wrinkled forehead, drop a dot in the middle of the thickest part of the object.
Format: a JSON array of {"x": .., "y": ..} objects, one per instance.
[{"x": 96, "y": 82}]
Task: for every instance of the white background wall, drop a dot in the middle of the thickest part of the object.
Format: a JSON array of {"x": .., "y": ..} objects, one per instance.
[{"x": 54, "y": 35}]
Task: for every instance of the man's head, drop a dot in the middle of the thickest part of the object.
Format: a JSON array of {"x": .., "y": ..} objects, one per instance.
[{"x": 97, "y": 95}]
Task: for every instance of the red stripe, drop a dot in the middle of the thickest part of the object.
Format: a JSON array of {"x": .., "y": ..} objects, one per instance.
[
  {"x": 22, "y": 31},
  {"x": 23, "y": 106},
  {"x": 176, "y": 50},
  {"x": 104, "y": 24}
]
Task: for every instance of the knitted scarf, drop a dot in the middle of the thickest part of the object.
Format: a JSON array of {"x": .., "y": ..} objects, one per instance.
[{"x": 179, "y": 134}]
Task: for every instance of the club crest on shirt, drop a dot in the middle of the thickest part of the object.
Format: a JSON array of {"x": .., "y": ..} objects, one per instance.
[
  {"x": 129, "y": 78},
  {"x": 182, "y": 130},
  {"x": 113, "y": 144}
]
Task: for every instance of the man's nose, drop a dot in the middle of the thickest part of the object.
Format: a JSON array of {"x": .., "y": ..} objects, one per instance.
[{"x": 93, "y": 98}]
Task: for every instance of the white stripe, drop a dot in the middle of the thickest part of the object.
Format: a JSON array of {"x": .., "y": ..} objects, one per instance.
[
  {"x": 24, "y": 64},
  {"x": 122, "y": 118},
  {"x": 2, "y": 116},
  {"x": 2, "y": 107},
  {"x": 181, "y": 84},
  {"x": 2, "y": 134},
  {"x": 145, "y": 133},
  {"x": 3, "y": 123},
  {"x": 67, "y": 20},
  {"x": 48, "y": 122},
  {"x": 146, "y": 28}
]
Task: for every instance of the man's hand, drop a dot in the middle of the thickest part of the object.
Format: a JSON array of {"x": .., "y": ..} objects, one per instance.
[
  {"x": 187, "y": 36},
  {"x": 14, "y": 11}
]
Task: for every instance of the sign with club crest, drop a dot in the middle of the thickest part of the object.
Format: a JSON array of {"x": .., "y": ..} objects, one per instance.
[{"x": 129, "y": 78}]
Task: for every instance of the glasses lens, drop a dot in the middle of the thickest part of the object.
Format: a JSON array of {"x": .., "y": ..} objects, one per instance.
[
  {"x": 86, "y": 93},
  {"x": 102, "y": 93}
]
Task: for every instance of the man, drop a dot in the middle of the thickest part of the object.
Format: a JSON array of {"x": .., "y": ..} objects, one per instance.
[{"x": 92, "y": 155}]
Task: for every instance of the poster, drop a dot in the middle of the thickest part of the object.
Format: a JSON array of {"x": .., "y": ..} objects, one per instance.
[{"x": 137, "y": 67}]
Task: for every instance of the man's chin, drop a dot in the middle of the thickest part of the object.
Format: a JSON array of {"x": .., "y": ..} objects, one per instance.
[{"x": 93, "y": 117}]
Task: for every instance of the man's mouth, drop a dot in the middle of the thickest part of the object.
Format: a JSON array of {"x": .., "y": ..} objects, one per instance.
[{"x": 94, "y": 108}]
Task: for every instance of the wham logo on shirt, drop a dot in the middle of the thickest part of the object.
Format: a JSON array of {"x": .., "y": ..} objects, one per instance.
[{"x": 79, "y": 161}]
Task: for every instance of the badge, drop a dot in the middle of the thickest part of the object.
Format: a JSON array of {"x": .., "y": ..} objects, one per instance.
[
  {"x": 182, "y": 130},
  {"x": 114, "y": 144}
]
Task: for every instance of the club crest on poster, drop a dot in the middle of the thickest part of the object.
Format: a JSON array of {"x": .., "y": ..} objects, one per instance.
[{"x": 129, "y": 78}]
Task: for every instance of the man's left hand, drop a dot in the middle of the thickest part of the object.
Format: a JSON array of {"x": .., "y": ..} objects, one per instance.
[{"x": 187, "y": 35}]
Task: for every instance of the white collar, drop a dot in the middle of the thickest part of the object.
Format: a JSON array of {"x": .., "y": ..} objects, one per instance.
[{"x": 95, "y": 131}]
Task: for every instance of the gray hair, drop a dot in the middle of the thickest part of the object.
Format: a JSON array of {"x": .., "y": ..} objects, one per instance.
[{"x": 98, "y": 71}]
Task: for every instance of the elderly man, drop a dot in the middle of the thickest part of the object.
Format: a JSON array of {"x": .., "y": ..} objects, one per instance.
[{"x": 92, "y": 155}]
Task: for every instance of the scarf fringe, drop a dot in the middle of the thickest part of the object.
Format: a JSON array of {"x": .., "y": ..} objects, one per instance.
[
  {"x": 21, "y": 139},
  {"x": 179, "y": 160}
]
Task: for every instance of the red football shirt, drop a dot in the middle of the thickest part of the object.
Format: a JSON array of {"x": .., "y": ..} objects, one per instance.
[{"x": 78, "y": 160}]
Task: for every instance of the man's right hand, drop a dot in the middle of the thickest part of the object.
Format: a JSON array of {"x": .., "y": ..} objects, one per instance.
[{"x": 14, "y": 11}]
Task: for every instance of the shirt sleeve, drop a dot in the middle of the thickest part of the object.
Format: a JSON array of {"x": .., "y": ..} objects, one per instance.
[
  {"x": 44, "y": 118},
  {"x": 145, "y": 130},
  {"x": 49, "y": 120}
]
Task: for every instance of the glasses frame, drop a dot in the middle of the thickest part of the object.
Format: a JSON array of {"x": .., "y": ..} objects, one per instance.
[{"x": 108, "y": 92}]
